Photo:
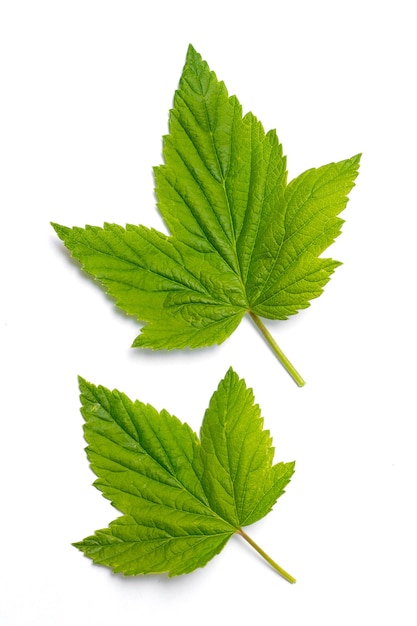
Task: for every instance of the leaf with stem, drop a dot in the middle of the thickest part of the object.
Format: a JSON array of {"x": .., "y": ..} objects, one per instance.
[
  {"x": 242, "y": 240},
  {"x": 182, "y": 497}
]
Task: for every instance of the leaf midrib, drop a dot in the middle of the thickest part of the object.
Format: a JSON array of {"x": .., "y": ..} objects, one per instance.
[{"x": 223, "y": 178}]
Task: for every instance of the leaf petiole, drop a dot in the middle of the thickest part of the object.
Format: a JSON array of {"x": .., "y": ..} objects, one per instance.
[
  {"x": 267, "y": 558},
  {"x": 277, "y": 350}
]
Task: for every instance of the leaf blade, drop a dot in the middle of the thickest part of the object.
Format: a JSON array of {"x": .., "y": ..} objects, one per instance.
[
  {"x": 158, "y": 474},
  {"x": 241, "y": 239},
  {"x": 205, "y": 125},
  {"x": 313, "y": 202},
  {"x": 237, "y": 454},
  {"x": 186, "y": 304},
  {"x": 127, "y": 548}
]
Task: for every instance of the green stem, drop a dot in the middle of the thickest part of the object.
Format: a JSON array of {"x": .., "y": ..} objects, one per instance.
[
  {"x": 277, "y": 350},
  {"x": 267, "y": 558}
]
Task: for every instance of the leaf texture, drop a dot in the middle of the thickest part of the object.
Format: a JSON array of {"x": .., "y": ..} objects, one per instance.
[
  {"x": 181, "y": 497},
  {"x": 241, "y": 238}
]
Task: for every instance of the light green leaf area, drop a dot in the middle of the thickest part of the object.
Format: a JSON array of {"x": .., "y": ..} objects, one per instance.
[
  {"x": 182, "y": 497},
  {"x": 241, "y": 239}
]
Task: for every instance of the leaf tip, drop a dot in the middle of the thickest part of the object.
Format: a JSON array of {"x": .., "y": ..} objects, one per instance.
[
  {"x": 85, "y": 389},
  {"x": 230, "y": 372},
  {"x": 356, "y": 159},
  {"x": 192, "y": 55},
  {"x": 81, "y": 381},
  {"x": 61, "y": 231}
]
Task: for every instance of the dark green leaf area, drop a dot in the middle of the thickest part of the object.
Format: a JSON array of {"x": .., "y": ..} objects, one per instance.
[{"x": 181, "y": 497}]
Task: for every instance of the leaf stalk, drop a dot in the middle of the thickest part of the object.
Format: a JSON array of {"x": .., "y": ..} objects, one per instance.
[
  {"x": 285, "y": 362},
  {"x": 267, "y": 558}
]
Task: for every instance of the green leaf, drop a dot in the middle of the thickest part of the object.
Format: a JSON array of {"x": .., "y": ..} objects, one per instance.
[
  {"x": 182, "y": 498},
  {"x": 241, "y": 239}
]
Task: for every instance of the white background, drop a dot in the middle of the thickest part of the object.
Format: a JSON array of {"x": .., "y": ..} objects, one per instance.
[{"x": 85, "y": 92}]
